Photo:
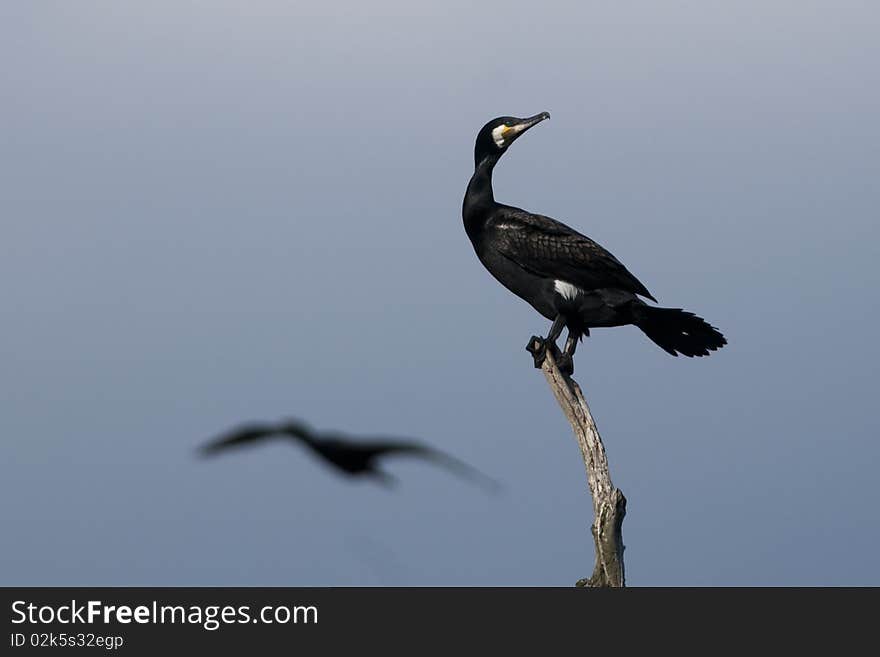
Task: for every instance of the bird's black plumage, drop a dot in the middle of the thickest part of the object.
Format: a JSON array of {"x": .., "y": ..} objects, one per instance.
[
  {"x": 347, "y": 455},
  {"x": 564, "y": 275}
]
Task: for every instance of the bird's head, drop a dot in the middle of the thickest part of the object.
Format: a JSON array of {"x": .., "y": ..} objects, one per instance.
[{"x": 498, "y": 134}]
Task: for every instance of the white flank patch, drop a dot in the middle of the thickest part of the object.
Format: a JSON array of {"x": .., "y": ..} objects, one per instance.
[
  {"x": 567, "y": 290},
  {"x": 498, "y": 135}
]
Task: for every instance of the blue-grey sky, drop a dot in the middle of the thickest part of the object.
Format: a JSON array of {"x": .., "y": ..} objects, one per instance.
[{"x": 214, "y": 212}]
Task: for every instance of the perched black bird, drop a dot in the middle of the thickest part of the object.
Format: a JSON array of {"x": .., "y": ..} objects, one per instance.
[
  {"x": 564, "y": 275},
  {"x": 350, "y": 457}
]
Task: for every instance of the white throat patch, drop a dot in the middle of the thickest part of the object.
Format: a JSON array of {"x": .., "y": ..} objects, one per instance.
[
  {"x": 566, "y": 290},
  {"x": 498, "y": 135}
]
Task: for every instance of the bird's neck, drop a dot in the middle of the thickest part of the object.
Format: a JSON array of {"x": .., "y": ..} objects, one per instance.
[{"x": 479, "y": 199}]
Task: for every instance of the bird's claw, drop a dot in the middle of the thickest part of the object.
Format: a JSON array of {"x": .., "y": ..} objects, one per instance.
[
  {"x": 565, "y": 363},
  {"x": 538, "y": 346}
]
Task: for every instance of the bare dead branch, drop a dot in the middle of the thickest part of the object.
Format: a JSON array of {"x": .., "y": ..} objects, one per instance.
[{"x": 609, "y": 504}]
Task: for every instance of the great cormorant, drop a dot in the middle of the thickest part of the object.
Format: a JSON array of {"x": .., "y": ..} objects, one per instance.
[
  {"x": 350, "y": 457},
  {"x": 564, "y": 275}
]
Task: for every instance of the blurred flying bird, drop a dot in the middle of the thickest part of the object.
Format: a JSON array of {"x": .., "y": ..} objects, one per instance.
[{"x": 349, "y": 456}]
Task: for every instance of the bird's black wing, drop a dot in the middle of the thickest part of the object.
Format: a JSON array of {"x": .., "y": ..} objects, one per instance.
[
  {"x": 246, "y": 434},
  {"x": 551, "y": 249},
  {"x": 458, "y": 467},
  {"x": 381, "y": 446}
]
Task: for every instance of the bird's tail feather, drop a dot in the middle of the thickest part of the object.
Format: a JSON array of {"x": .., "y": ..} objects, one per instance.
[{"x": 677, "y": 331}]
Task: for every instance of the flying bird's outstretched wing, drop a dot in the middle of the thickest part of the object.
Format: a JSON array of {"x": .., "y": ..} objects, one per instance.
[
  {"x": 297, "y": 429},
  {"x": 247, "y": 434},
  {"x": 413, "y": 448},
  {"x": 551, "y": 249}
]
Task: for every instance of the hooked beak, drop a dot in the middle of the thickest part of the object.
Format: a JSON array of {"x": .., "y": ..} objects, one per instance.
[
  {"x": 505, "y": 134},
  {"x": 519, "y": 128}
]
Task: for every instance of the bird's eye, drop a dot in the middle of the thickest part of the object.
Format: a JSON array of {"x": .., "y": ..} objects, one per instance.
[{"x": 498, "y": 135}]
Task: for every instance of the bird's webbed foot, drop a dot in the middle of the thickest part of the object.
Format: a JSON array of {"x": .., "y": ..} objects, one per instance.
[
  {"x": 565, "y": 363},
  {"x": 538, "y": 348}
]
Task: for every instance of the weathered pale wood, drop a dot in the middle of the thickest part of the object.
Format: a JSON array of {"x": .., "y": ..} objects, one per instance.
[{"x": 609, "y": 504}]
